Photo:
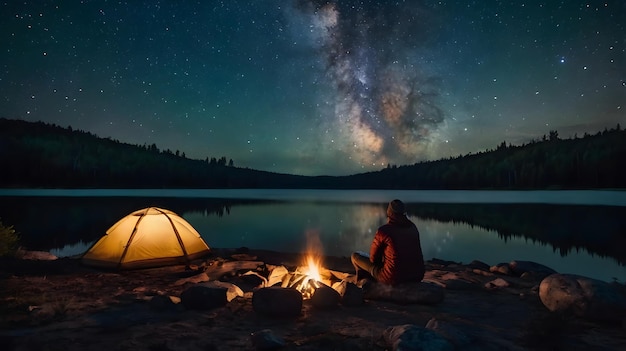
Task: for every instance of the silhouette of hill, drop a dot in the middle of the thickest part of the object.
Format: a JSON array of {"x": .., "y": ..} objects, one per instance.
[
  {"x": 592, "y": 161},
  {"x": 43, "y": 155},
  {"x": 40, "y": 155}
]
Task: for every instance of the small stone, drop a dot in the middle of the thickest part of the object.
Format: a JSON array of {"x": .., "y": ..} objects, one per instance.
[
  {"x": 533, "y": 268},
  {"x": 443, "y": 262},
  {"x": 502, "y": 268},
  {"x": 497, "y": 283},
  {"x": 412, "y": 337},
  {"x": 265, "y": 339},
  {"x": 325, "y": 297},
  {"x": 483, "y": 273},
  {"x": 479, "y": 265}
]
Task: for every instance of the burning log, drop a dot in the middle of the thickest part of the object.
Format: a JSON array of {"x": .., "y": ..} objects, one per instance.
[{"x": 305, "y": 279}]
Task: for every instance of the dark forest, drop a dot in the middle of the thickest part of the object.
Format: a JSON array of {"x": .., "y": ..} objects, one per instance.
[{"x": 40, "y": 155}]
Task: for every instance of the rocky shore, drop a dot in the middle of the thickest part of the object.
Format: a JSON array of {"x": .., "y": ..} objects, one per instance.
[{"x": 225, "y": 302}]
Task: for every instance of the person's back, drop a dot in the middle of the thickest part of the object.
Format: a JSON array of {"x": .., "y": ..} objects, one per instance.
[
  {"x": 397, "y": 245},
  {"x": 396, "y": 253}
]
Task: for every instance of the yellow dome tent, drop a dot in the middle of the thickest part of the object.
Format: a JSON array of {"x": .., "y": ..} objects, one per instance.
[{"x": 150, "y": 237}]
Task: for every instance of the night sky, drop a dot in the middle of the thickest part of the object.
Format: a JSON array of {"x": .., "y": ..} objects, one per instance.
[{"x": 316, "y": 87}]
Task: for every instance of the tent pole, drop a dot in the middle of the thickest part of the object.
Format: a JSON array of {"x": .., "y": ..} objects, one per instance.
[
  {"x": 180, "y": 240},
  {"x": 130, "y": 239}
]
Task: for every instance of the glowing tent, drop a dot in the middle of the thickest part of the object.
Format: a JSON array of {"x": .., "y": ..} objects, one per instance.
[{"x": 147, "y": 238}]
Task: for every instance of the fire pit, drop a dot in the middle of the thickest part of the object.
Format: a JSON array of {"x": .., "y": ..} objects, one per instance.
[
  {"x": 308, "y": 278},
  {"x": 305, "y": 278}
]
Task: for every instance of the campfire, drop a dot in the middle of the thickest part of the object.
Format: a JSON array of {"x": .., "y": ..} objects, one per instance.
[
  {"x": 307, "y": 277},
  {"x": 310, "y": 275}
]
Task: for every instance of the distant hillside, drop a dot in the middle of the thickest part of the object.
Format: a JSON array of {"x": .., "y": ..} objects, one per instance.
[
  {"x": 591, "y": 161},
  {"x": 36, "y": 154},
  {"x": 43, "y": 155}
]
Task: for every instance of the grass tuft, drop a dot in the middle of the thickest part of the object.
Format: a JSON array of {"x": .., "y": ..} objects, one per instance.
[{"x": 9, "y": 240}]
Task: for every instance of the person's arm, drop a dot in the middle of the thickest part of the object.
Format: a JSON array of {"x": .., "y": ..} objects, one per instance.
[{"x": 376, "y": 251}]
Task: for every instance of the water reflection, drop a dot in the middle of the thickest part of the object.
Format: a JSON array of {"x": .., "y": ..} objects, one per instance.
[
  {"x": 579, "y": 239},
  {"x": 601, "y": 230},
  {"x": 345, "y": 228},
  {"x": 282, "y": 226}
]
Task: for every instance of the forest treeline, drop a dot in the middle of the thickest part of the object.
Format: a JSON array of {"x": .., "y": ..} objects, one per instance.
[{"x": 41, "y": 155}]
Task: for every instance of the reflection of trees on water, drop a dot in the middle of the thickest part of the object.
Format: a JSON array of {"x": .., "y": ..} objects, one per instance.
[
  {"x": 52, "y": 222},
  {"x": 600, "y": 230}
]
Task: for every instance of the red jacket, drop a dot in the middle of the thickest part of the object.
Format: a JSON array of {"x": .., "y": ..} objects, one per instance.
[{"x": 396, "y": 250}]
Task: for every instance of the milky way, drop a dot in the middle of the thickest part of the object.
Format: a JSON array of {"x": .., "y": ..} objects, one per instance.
[{"x": 385, "y": 106}]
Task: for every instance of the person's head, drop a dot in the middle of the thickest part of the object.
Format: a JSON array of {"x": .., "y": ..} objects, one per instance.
[{"x": 395, "y": 209}]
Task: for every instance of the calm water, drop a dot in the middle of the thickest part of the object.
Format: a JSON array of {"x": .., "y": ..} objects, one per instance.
[{"x": 581, "y": 232}]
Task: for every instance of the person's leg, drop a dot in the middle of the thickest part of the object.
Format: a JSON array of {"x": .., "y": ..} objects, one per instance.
[{"x": 362, "y": 263}]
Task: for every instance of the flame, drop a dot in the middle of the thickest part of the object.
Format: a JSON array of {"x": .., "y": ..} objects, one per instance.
[
  {"x": 313, "y": 266},
  {"x": 314, "y": 253},
  {"x": 308, "y": 278},
  {"x": 310, "y": 272}
]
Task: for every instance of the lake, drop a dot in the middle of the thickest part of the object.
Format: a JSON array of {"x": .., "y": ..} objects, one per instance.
[{"x": 579, "y": 232}]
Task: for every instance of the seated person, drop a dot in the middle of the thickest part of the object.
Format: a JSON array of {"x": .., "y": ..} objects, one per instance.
[{"x": 396, "y": 253}]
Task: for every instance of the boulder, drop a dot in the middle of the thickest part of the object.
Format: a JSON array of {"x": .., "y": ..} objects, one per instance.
[
  {"x": 200, "y": 297},
  {"x": 533, "y": 269},
  {"x": 249, "y": 281},
  {"x": 444, "y": 263},
  {"x": 277, "y": 302},
  {"x": 352, "y": 296},
  {"x": 411, "y": 337},
  {"x": 407, "y": 293},
  {"x": 502, "y": 268},
  {"x": 459, "y": 280},
  {"x": 325, "y": 297},
  {"x": 497, "y": 283},
  {"x": 479, "y": 265},
  {"x": 232, "y": 290},
  {"x": 584, "y": 297}
]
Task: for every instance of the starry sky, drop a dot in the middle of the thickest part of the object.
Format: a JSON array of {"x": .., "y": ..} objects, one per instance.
[{"x": 316, "y": 87}]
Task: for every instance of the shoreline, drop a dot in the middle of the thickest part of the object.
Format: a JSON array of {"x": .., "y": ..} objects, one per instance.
[
  {"x": 48, "y": 303},
  {"x": 591, "y": 197}
]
